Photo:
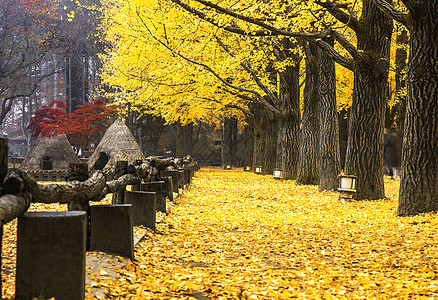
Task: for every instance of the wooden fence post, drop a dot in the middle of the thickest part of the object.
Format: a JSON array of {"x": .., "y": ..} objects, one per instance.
[
  {"x": 157, "y": 187},
  {"x": 143, "y": 208},
  {"x": 120, "y": 170},
  {"x": 51, "y": 255},
  {"x": 111, "y": 229},
  {"x": 79, "y": 171}
]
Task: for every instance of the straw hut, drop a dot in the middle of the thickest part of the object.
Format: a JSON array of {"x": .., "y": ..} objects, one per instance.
[
  {"x": 118, "y": 143},
  {"x": 50, "y": 153}
]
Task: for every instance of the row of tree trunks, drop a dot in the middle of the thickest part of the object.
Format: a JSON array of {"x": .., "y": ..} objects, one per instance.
[{"x": 270, "y": 133}]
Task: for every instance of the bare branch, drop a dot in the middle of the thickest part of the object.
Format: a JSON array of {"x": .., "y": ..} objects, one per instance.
[{"x": 357, "y": 56}]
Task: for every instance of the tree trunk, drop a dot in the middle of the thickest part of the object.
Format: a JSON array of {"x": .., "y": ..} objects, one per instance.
[
  {"x": 76, "y": 83},
  {"x": 288, "y": 141},
  {"x": 270, "y": 132},
  {"x": 184, "y": 140},
  {"x": 233, "y": 146},
  {"x": 364, "y": 157},
  {"x": 259, "y": 123},
  {"x": 226, "y": 142},
  {"x": 343, "y": 117},
  {"x": 56, "y": 78},
  {"x": 181, "y": 149},
  {"x": 249, "y": 142},
  {"x": 309, "y": 164},
  {"x": 419, "y": 179},
  {"x": 329, "y": 126}
]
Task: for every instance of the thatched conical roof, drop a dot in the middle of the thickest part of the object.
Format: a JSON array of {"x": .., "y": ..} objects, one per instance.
[
  {"x": 118, "y": 143},
  {"x": 54, "y": 149}
]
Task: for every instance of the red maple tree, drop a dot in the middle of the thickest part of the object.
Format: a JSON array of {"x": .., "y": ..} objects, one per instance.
[
  {"x": 86, "y": 125},
  {"x": 50, "y": 120}
]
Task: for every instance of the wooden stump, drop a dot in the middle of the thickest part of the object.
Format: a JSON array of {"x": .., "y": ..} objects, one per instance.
[
  {"x": 111, "y": 229},
  {"x": 168, "y": 188},
  {"x": 51, "y": 255},
  {"x": 79, "y": 172},
  {"x": 120, "y": 170},
  {"x": 143, "y": 208},
  {"x": 181, "y": 178},
  {"x": 187, "y": 176},
  {"x": 157, "y": 187},
  {"x": 175, "y": 178}
]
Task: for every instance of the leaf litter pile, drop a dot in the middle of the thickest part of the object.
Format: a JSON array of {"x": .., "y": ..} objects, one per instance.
[{"x": 237, "y": 235}]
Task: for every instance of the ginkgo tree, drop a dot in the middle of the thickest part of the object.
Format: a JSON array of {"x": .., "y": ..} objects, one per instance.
[
  {"x": 244, "y": 66},
  {"x": 368, "y": 59},
  {"x": 158, "y": 62}
]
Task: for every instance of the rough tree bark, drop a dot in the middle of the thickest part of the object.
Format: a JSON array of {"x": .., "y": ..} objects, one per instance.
[
  {"x": 309, "y": 161},
  {"x": 227, "y": 139},
  {"x": 343, "y": 117},
  {"x": 184, "y": 140},
  {"x": 234, "y": 140},
  {"x": 419, "y": 179},
  {"x": 288, "y": 140},
  {"x": 270, "y": 133},
  {"x": 258, "y": 158},
  {"x": 364, "y": 157},
  {"x": 249, "y": 142},
  {"x": 329, "y": 126},
  {"x": 120, "y": 169}
]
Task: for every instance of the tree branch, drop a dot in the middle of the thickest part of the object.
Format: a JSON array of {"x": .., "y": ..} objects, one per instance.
[
  {"x": 232, "y": 29},
  {"x": 346, "y": 62},
  {"x": 274, "y": 30},
  {"x": 207, "y": 68},
  {"x": 356, "y": 54},
  {"x": 340, "y": 15},
  {"x": 392, "y": 12},
  {"x": 247, "y": 67}
]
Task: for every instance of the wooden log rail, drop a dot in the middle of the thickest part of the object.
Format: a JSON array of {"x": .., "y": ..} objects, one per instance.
[{"x": 20, "y": 190}]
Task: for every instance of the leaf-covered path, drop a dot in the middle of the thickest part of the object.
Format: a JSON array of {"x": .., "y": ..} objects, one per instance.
[{"x": 237, "y": 235}]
